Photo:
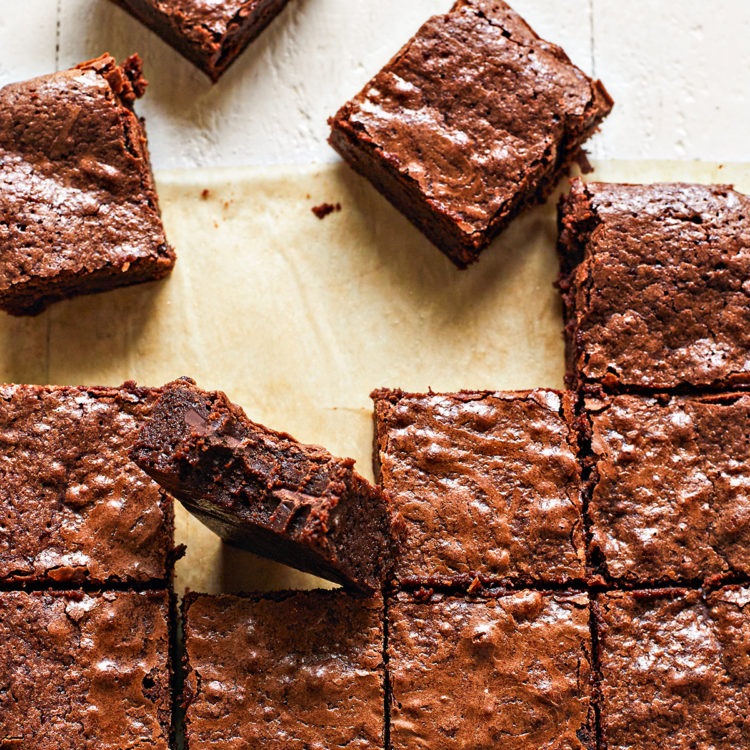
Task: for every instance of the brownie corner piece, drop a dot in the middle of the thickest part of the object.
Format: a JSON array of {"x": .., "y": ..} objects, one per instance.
[
  {"x": 77, "y": 196},
  {"x": 654, "y": 281},
  {"x": 210, "y": 35},
  {"x": 284, "y": 669},
  {"x": 264, "y": 491},
  {"x": 488, "y": 484},
  {"x": 472, "y": 121}
]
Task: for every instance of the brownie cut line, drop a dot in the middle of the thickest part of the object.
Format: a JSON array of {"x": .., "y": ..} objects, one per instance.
[
  {"x": 78, "y": 207},
  {"x": 655, "y": 282},
  {"x": 74, "y": 509},
  {"x": 284, "y": 671},
  {"x": 211, "y": 35},
  {"x": 84, "y": 671},
  {"x": 488, "y": 484},
  {"x": 511, "y": 671},
  {"x": 475, "y": 119},
  {"x": 264, "y": 491}
]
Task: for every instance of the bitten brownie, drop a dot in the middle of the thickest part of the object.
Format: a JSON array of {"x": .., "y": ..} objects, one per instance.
[
  {"x": 262, "y": 490},
  {"x": 474, "y": 120},
  {"x": 209, "y": 34},
  {"x": 511, "y": 672},
  {"x": 655, "y": 280},
  {"x": 675, "y": 669},
  {"x": 670, "y": 487},
  {"x": 488, "y": 484},
  {"x": 73, "y": 507},
  {"x": 284, "y": 671},
  {"x": 84, "y": 671},
  {"x": 78, "y": 208}
]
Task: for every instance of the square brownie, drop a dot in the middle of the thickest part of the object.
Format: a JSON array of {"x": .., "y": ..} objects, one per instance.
[
  {"x": 655, "y": 280},
  {"x": 670, "y": 487},
  {"x": 474, "y": 119},
  {"x": 488, "y": 484},
  {"x": 511, "y": 672},
  {"x": 77, "y": 199},
  {"x": 73, "y": 507},
  {"x": 284, "y": 671},
  {"x": 211, "y": 35},
  {"x": 263, "y": 491},
  {"x": 675, "y": 669},
  {"x": 84, "y": 671}
]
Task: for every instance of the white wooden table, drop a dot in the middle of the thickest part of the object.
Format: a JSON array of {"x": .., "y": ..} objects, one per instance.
[{"x": 679, "y": 71}]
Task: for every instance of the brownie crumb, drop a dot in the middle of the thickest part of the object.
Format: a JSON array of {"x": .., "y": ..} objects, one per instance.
[{"x": 324, "y": 209}]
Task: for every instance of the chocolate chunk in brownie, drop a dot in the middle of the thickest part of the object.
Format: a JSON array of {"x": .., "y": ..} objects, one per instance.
[
  {"x": 284, "y": 670},
  {"x": 84, "y": 671},
  {"x": 488, "y": 483},
  {"x": 655, "y": 280},
  {"x": 675, "y": 669},
  {"x": 209, "y": 34},
  {"x": 262, "y": 490},
  {"x": 511, "y": 672},
  {"x": 78, "y": 207},
  {"x": 670, "y": 487},
  {"x": 73, "y": 507},
  {"x": 475, "y": 119}
]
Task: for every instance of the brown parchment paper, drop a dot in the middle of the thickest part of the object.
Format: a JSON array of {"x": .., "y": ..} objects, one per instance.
[{"x": 298, "y": 318}]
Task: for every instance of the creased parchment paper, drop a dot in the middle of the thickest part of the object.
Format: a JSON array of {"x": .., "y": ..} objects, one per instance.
[{"x": 298, "y": 318}]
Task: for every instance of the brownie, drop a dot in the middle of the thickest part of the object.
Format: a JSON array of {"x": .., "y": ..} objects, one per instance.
[
  {"x": 670, "y": 487},
  {"x": 208, "y": 33},
  {"x": 284, "y": 671},
  {"x": 675, "y": 669},
  {"x": 475, "y": 119},
  {"x": 488, "y": 484},
  {"x": 655, "y": 280},
  {"x": 73, "y": 508},
  {"x": 512, "y": 672},
  {"x": 84, "y": 671},
  {"x": 263, "y": 491},
  {"x": 78, "y": 207}
]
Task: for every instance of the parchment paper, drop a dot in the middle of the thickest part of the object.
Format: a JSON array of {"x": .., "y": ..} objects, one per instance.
[{"x": 298, "y": 319}]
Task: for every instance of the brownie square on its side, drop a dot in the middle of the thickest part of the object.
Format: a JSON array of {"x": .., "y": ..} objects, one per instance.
[
  {"x": 511, "y": 672},
  {"x": 487, "y": 482},
  {"x": 655, "y": 282},
  {"x": 675, "y": 669},
  {"x": 78, "y": 206},
  {"x": 85, "y": 671},
  {"x": 670, "y": 487},
  {"x": 284, "y": 671},
  {"x": 475, "y": 119},
  {"x": 74, "y": 508}
]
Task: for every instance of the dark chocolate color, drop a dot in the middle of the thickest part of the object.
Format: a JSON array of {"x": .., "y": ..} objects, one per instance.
[
  {"x": 675, "y": 669},
  {"x": 284, "y": 671},
  {"x": 208, "y": 33},
  {"x": 472, "y": 121},
  {"x": 656, "y": 285},
  {"x": 262, "y": 490},
  {"x": 78, "y": 208},
  {"x": 84, "y": 671},
  {"x": 488, "y": 484},
  {"x": 73, "y": 507},
  {"x": 512, "y": 672}
]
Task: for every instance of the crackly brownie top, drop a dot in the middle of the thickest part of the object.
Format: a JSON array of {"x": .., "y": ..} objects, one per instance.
[
  {"x": 72, "y": 504},
  {"x": 512, "y": 672},
  {"x": 75, "y": 183},
  {"x": 671, "y": 494},
  {"x": 660, "y": 283},
  {"x": 487, "y": 482},
  {"x": 473, "y": 108},
  {"x": 676, "y": 670},
  {"x": 79, "y": 671},
  {"x": 285, "y": 671}
]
